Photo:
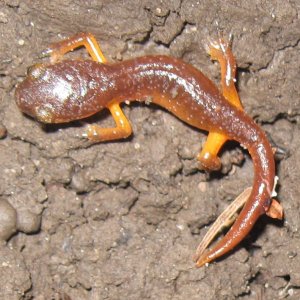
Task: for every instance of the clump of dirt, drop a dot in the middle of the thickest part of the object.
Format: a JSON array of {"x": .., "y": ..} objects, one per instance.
[{"x": 122, "y": 220}]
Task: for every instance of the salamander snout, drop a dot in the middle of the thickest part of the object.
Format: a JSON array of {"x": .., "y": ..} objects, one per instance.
[{"x": 31, "y": 94}]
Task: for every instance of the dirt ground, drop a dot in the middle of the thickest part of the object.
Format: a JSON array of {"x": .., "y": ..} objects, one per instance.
[{"x": 122, "y": 220}]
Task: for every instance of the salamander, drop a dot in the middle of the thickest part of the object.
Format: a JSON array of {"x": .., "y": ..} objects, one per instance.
[{"x": 64, "y": 90}]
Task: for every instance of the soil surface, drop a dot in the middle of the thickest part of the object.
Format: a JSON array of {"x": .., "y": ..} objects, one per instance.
[{"x": 122, "y": 220}]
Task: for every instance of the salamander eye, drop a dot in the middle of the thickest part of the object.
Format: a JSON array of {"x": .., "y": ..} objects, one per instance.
[{"x": 36, "y": 71}]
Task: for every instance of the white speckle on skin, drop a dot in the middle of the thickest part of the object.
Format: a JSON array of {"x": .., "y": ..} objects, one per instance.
[
  {"x": 261, "y": 188},
  {"x": 222, "y": 47},
  {"x": 92, "y": 84},
  {"x": 261, "y": 151},
  {"x": 274, "y": 193},
  {"x": 174, "y": 92},
  {"x": 206, "y": 155},
  {"x": 228, "y": 74},
  {"x": 83, "y": 90},
  {"x": 62, "y": 90},
  {"x": 69, "y": 77}
]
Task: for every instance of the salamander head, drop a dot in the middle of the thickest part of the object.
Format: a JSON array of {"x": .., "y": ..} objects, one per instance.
[{"x": 57, "y": 93}]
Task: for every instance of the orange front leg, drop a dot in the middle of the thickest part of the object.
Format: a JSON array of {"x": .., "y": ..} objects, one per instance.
[
  {"x": 83, "y": 39},
  {"x": 220, "y": 50},
  {"x": 121, "y": 131}
]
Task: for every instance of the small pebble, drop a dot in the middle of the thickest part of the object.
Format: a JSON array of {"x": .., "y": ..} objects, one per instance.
[
  {"x": 3, "y": 131},
  {"x": 21, "y": 42},
  {"x": 3, "y": 17},
  {"x": 80, "y": 182},
  {"x": 28, "y": 222},
  {"x": 8, "y": 220},
  {"x": 202, "y": 186}
]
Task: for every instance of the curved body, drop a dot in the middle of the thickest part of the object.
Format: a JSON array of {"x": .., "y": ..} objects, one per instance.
[{"x": 74, "y": 89}]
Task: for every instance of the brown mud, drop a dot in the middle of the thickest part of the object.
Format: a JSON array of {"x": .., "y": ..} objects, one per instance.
[{"x": 122, "y": 220}]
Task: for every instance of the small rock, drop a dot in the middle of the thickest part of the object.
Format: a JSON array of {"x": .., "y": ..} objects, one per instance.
[
  {"x": 3, "y": 131},
  {"x": 8, "y": 220},
  {"x": 28, "y": 222}
]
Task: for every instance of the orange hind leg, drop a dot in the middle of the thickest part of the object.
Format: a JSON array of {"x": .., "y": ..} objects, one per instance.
[{"x": 220, "y": 50}]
